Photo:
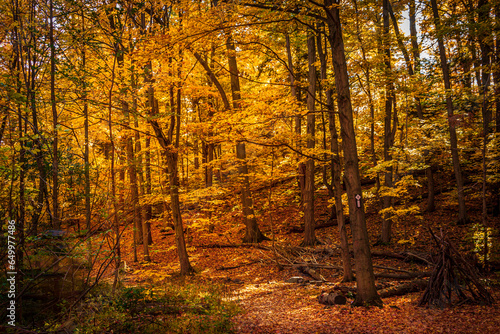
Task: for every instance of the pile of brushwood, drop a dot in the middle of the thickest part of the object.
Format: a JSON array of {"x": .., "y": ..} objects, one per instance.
[{"x": 454, "y": 281}]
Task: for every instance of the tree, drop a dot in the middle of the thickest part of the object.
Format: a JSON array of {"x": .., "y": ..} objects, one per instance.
[
  {"x": 252, "y": 231},
  {"x": 309, "y": 236},
  {"x": 365, "y": 279},
  {"x": 335, "y": 188},
  {"x": 390, "y": 125},
  {"x": 170, "y": 144},
  {"x": 462, "y": 214}
]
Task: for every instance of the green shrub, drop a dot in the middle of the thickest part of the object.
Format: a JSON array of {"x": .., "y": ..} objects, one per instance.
[{"x": 171, "y": 308}]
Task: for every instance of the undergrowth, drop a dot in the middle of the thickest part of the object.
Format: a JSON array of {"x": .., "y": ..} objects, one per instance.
[{"x": 170, "y": 308}]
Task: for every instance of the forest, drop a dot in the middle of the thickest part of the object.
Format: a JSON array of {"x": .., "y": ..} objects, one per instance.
[{"x": 250, "y": 166}]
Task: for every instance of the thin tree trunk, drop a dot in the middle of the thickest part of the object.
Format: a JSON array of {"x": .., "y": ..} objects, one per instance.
[
  {"x": 87, "y": 147},
  {"x": 496, "y": 70},
  {"x": 252, "y": 233},
  {"x": 365, "y": 279},
  {"x": 309, "y": 235},
  {"x": 176, "y": 213},
  {"x": 496, "y": 78},
  {"x": 388, "y": 126},
  {"x": 116, "y": 224},
  {"x": 30, "y": 75},
  {"x": 297, "y": 118},
  {"x": 195, "y": 152},
  {"x": 20, "y": 223},
  {"x": 431, "y": 206},
  {"x": 462, "y": 213},
  {"x": 138, "y": 167},
  {"x": 485, "y": 37},
  {"x": 170, "y": 144},
  {"x": 55, "y": 161},
  {"x": 146, "y": 224},
  {"x": 134, "y": 187},
  {"x": 415, "y": 50},
  {"x": 210, "y": 158},
  {"x": 402, "y": 47},
  {"x": 371, "y": 104}
]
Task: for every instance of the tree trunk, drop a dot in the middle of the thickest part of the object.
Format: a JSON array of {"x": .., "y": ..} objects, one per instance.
[
  {"x": 195, "y": 152},
  {"x": 20, "y": 221},
  {"x": 180, "y": 242},
  {"x": 336, "y": 171},
  {"x": 170, "y": 145},
  {"x": 496, "y": 73},
  {"x": 496, "y": 78},
  {"x": 416, "y": 60},
  {"x": 388, "y": 126},
  {"x": 371, "y": 104},
  {"x": 309, "y": 236},
  {"x": 86, "y": 159},
  {"x": 55, "y": 161},
  {"x": 462, "y": 214},
  {"x": 134, "y": 187},
  {"x": 252, "y": 233},
  {"x": 210, "y": 158},
  {"x": 116, "y": 224},
  {"x": 148, "y": 210},
  {"x": 297, "y": 118},
  {"x": 365, "y": 279},
  {"x": 486, "y": 53}
]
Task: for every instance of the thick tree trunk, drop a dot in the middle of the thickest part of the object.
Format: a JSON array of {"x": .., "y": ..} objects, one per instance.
[
  {"x": 336, "y": 170},
  {"x": 365, "y": 279},
  {"x": 309, "y": 236},
  {"x": 462, "y": 214}
]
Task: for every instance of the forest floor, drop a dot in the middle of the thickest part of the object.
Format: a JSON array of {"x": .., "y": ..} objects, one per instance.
[{"x": 268, "y": 304}]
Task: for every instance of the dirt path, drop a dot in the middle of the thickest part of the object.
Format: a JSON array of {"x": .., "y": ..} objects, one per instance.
[{"x": 288, "y": 308}]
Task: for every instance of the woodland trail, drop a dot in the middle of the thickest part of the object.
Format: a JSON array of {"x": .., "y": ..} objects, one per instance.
[{"x": 269, "y": 305}]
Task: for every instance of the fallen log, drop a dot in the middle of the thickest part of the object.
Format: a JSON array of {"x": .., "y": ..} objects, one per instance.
[
  {"x": 405, "y": 256},
  {"x": 300, "y": 229},
  {"x": 311, "y": 272},
  {"x": 332, "y": 298},
  {"x": 234, "y": 246},
  {"x": 409, "y": 275},
  {"x": 238, "y": 266},
  {"x": 406, "y": 275},
  {"x": 312, "y": 265},
  {"x": 392, "y": 269},
  {"x": 403, "y": 289}
]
